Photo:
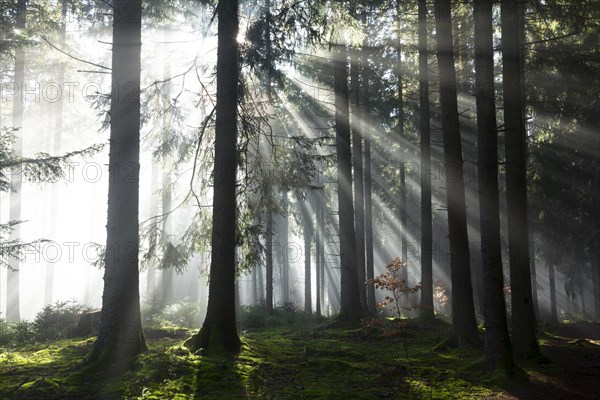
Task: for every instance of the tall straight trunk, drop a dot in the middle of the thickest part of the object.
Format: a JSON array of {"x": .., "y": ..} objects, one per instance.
[
  {"x": 307, "y": 231},
  {"x": 522, "y": 316},
  {"x": 367, "y": 175},
  {"x": 533, "y": 272},
  {"x": 269, "y": 229},
  {"x": 54, "y": 196},
  {"x": 13, "y": 308},
  {"x": 553, "y": 320},
  {"x": 269, "y": 263},
  {"x": 400, "y": 89},
  {"x": 596, "y": 281},
  {"x": 357, "y": 162},
  {"x": 167, "y": 273},
  {"x": 318, "y": 249},
  {"x": 283, "y": 252},
  {"x": 219, "y": 330},
  {"x": 120, "y": 335},
  {"x": 463, "y": 310},
  {"x": 498, "y": 353},
  {"x": 425, "y": 147},
  {"x": 350, "y": 306},
  {"x": 323, "y": 230},
  {"x": 166, "y": 200},
  {"x": 254, "y": 280},
  {"x": 595, "y": 244},
  {"x": 151, "y": 275}
]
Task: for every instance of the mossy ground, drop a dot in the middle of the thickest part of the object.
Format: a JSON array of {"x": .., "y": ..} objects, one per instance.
[{"x": 299, "y": 361}]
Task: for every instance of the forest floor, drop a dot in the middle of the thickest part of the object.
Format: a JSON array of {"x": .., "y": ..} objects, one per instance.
[{"x": 304, "y": 360}]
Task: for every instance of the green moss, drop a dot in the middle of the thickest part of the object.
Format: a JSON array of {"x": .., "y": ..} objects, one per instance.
[{"x": 283, "y": 362}]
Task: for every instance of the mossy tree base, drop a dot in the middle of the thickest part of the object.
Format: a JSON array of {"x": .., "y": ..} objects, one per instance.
[{"x": 212, "y": 340}]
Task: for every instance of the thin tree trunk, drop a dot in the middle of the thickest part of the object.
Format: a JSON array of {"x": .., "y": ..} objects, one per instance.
[
  {"x": 553, "y": 309},
  {"x": 367, "y": 176},
  {"x": 357, "y": 153},
  {"x": 463, "y": 309},
  {"x": 284, "y": 260},
  {"x": 323, "y": 229},
  {"x": 151, "y": 275},
  {"x": 425, "y": 147},
  {"x": 269, "y": 264},
  {"x": 54, "y": 195},
  {"x": 269, "y": 230},
  {"x": 532, "y": 268},
  {"x": 219, "y": 330},
  {"x": 307, "y": 230},
  {"x": 523, "y": 317},
  {"x": 350, "y": 306},
  {"x": 120, "y": 336},
  {"x": 400, "y": 88},
  {"x": 13, "y": 309},
  {"x": 318, "y": 249},
  {"x": 498, "y": 353},
  {"x": 167, "y": 273}
]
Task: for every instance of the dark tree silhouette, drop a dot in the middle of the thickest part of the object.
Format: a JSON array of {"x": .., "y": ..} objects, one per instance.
[
  {"x": 120, "y": 335},
  {"x": 425, "y": 146},
  {"x": 463, "y": 309},
  {"x": 219, "y": 332},
  {"x": 498, "y": 352},
  {"x": 350, "y": 307},
  {"x": 522, "y": 315}
]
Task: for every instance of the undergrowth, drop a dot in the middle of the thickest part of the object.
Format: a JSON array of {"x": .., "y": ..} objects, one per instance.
[{"x": 299, "y": 360}]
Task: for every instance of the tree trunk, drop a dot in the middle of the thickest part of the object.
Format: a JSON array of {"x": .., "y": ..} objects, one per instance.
[
  {"x": 151, "y": 275},
  {"x": 523, "y": 318},
  {"x": 532, "y": 270},
  {"x": 498, "y": 353},
  {"x": 219, "y": 330},
  {"x": 318, "y": 249},
  {"x": 54, "y": 193},
  {"x": 553, "y": 320},
  {"x": 463, "y": 310},
  {"x": 350, "y": 306},
  {"x": 367, "y": 176},
  {"x": 283, "y": 252},
  {"x": 307, "y": 230},
  {"x": 167, "y": 272},
  {"x": 357, "y": 162},
  {"x": 120, "y": 337},
  {"x": 323, "y": 228},
  {"x": 13, "y": 308},
  {"x": 269, "y": 230},
  {"x": 425, "y": 147},
  {"x": 400, "y": 88},
  {"x": 269, "y": 264}
]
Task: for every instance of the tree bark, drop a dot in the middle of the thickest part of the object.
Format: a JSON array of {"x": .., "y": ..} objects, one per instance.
[
  {"x": 219, "y": 332},
  {"x": 283, "y": 253},
  {"x": 350, "y": 306},
  {"x": 368, "y": 204},
  {"x": 120, "y": 336},
  {"x": 463, "y": 310},
  {"x": 13, "y": 308},
  {"x": 522, "y": 317},
  {"x": 425, "y": 147},
  {"x": 54, "y": 193},
  {"x": 318, "y": 249},
  {"x": 269, "y": 264},
  {"x": 400, "y": 89},
  {"x": 166, "y": 200},
  {"x": 307, "y": 230},
  {"x": 357, "y": 162},
  {"x": 498, "y": 353}
]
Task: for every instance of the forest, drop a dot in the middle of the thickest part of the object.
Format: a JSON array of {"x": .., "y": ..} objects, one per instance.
[{"x": 288, "y": 199}]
